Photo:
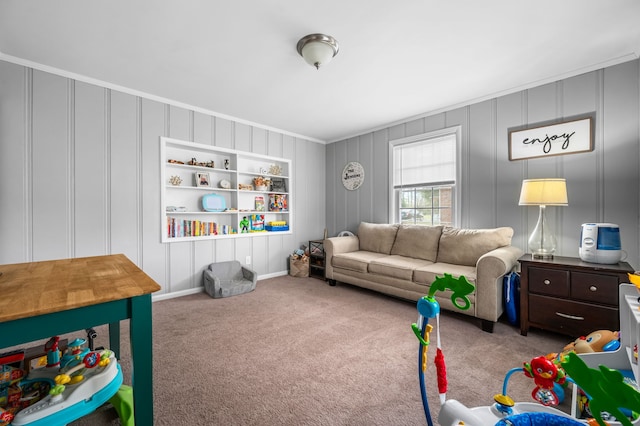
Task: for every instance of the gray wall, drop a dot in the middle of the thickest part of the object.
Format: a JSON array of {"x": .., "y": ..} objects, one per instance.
[
  {"x": 603, "y": 185},
  {"x": 80, "y": 176}
]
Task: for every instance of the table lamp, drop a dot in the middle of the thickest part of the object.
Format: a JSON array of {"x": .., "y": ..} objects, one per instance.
[{"x": 543, "y": 193}]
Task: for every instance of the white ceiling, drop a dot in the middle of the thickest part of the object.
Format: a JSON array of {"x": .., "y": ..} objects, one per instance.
[{"x": 397, "y": 59}]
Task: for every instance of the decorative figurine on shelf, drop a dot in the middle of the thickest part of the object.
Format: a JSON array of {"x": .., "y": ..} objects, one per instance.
[
  {"x": 194, "y": 162},
  {"x": 244, "y": 225},
  {"x": 175, "y": 180},
  {"x": 275, "y": 170},
  {"x": 226, "y": 164}
]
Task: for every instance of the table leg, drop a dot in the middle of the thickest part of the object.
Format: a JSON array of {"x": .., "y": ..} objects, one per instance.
[
  {"x": 114, "y": 338},
  {"x": 142, "y": 359}
]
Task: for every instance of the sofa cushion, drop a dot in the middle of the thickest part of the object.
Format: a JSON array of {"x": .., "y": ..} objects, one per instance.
[
  {"x": 396, "y": 266},
  {"x": 465, "y": 246},
  {"x": 417, "y": 241},
  {"x": 377, "y": 237},
  {"x": 355, "y": 260}
]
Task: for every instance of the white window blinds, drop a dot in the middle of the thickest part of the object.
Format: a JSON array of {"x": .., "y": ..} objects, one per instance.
[{"x": 426, "y": 162}]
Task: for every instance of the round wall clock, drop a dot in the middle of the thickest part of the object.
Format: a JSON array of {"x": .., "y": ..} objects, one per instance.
[{"x": 353, "y": 175}]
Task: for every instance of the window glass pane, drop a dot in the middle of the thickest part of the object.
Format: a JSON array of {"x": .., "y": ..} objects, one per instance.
[
  {"x": 407, "y": 199},
  {"x": 423, "y": 216},
  {"x": 423, "y": 197}
]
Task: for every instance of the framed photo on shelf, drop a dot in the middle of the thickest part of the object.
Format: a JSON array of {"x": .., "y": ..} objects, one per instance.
[
  {"x": 203, "y": 179},
  {"x": 278, "y": 185}
]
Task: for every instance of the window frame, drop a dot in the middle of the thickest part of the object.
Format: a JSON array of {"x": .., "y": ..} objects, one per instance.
[{"x": 394, "y": 202}]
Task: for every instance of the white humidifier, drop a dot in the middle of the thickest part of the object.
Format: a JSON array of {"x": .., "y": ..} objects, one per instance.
[{"x": 600, "y": 243}]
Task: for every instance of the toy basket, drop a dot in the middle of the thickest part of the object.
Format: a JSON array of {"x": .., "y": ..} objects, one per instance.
[{"x": 299, "y": 267}]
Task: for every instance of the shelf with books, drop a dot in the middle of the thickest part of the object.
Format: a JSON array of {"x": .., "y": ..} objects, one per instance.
[{"x": 217, "y": 188}]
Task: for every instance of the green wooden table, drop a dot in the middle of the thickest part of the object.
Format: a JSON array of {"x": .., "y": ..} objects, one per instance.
[{"x": 44, "y": 299}]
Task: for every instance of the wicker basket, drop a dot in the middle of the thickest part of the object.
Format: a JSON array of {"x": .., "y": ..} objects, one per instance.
[{"x": 299, "y": 267}]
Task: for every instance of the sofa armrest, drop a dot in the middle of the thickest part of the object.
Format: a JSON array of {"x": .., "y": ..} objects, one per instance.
[
  {"x": 490, "y": 269},
  {"x": 211, "y": 282},
  {"x": 336, "y": 245},
  {"x": 249, "y": 275}
]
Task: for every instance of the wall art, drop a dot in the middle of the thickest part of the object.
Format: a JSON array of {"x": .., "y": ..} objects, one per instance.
[
  {"x": 568, "y": 137},
  {"x": 353, "y": 175}
]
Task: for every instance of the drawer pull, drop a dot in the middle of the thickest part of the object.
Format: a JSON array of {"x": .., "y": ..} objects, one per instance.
[
  {"x": 547, "y": 282},
  {"x": 573, "y": 317},
  {"x": 593, "y": 288}
]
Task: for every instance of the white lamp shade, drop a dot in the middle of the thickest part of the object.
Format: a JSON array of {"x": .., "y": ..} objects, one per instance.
[{"x": 544, "y": 192}]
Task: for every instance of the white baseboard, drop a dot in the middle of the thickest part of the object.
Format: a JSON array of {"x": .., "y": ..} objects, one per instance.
[
  {"x": 174, "y": 294},
  {"x": 187, "y": 292}
]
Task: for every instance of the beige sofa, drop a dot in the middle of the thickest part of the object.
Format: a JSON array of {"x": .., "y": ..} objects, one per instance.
[{"x": 403, "y": 261}]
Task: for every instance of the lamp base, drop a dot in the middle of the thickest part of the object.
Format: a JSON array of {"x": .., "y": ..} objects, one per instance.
[{"x": 542, "y": 255}]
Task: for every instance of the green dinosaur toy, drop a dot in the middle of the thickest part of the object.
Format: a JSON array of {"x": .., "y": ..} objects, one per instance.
[
  {"x": 605, "y": 387},
  {"x": 460, "y": 287}
]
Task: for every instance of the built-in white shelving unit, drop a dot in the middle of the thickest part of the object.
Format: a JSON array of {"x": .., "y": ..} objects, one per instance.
[{"x": 227, "y": 177}]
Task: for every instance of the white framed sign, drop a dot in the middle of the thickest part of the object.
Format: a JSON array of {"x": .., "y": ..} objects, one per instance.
[
  {"x": 353, "y": 175},
  {"x": 568, "y": 137}
]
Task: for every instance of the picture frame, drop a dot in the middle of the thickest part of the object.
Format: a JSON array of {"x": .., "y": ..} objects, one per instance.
[
  {"x": 571, "y": 136},
  {"x": 203, "y": 179},
  {"x": 278, "y": 185}
]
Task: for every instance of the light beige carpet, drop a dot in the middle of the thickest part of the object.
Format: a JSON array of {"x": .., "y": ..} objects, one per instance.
[{"x": 297, "y": 351}]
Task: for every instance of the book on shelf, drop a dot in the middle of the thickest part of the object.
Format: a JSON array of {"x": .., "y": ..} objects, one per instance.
[
  {"x": 178, "y": 228},
  {"x": 259, "y": 203},
  {"x": 278, "y": 203},
  {"x": 256, "y": 223}
]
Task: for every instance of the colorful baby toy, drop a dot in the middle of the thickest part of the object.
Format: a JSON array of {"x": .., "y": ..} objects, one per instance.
[{"x": 605, "y": 388}]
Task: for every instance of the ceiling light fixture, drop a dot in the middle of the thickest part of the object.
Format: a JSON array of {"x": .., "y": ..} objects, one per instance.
[{"x": 317, "y": 49}]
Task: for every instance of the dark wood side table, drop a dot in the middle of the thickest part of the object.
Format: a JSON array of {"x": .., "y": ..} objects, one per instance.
[
  {"x": 316, "y": 259},
  {"x": 569, "y": 296}
]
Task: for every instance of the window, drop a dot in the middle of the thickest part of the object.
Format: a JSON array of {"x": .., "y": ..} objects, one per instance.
[{"x": 424, "y": 178}]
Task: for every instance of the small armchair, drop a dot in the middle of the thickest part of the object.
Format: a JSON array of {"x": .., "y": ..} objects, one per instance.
[{"x": 224, "y": 279}]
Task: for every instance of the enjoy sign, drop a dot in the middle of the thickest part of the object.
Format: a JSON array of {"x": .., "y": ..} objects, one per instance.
[{"x": 568, "y": 137}]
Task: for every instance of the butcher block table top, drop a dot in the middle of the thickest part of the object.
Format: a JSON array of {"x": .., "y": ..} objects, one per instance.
[{"x": 35, "y": 288}]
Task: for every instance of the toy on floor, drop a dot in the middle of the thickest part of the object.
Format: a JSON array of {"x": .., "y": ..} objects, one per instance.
[
  {"x": 596, "y": 341},
  {"x": 605, "y": 387},
  {"x": 546, "y": 375},
  {"x": 428, "y": 307},
  {"x": 81, "y": 380}
]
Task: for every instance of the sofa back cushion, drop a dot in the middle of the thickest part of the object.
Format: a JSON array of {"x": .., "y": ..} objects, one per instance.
[
  {"x": 465, "y": 246},
  {"x": 417, "y": 241},
  {"x": 377, "y": 237}
]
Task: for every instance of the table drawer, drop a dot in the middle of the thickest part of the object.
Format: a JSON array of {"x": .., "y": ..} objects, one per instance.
[
  {"x": 551, "y": 282},
  {"x": 602, "y": 289},
  {"x": 571, "y": 317}
]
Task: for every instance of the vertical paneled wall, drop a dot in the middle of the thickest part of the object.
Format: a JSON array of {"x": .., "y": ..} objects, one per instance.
[
  {"x": 79, "y": 176},
  {"x": 603, "y": 185}
]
